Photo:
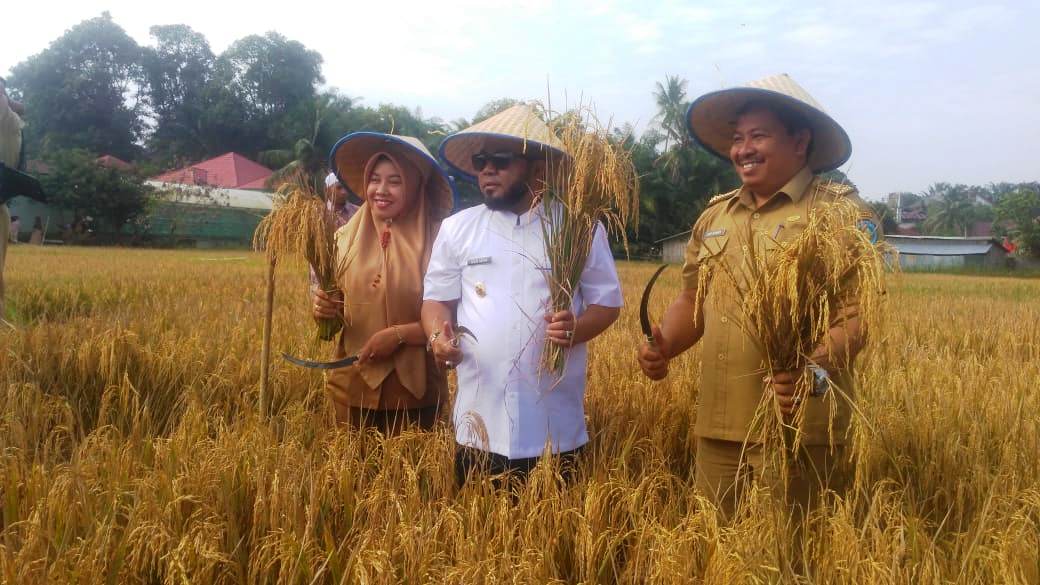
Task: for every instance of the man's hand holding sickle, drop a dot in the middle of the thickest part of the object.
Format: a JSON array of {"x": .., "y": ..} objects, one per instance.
[
  {"x": 644, "y": 313},
  {"x": 652, "y": 356}
]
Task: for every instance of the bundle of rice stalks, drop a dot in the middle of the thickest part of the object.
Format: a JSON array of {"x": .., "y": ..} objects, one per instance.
[
  {"x": 597, "y": 183},
  {"x": 300, "y": 225},
  {"x": 791, "y": 295}
]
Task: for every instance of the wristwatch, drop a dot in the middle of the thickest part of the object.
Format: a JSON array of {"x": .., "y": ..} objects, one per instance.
[{"x": 821, "y": 381}]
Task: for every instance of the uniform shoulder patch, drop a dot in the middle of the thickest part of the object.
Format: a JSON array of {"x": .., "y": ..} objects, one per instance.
[{"x": 722, "y": 197}]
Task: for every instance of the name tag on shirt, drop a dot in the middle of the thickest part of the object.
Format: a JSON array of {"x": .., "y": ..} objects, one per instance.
[
  {"x": 715, "y": 233},
  {"x": 478, "y": 261}
]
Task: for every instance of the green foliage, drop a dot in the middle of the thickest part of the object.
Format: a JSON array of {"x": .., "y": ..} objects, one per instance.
[
  {"x": 84, "y": 91},
  {"x": 491, "y": 108},
  {"x": 670, "y": 97},
  {"x": 179, "y": 70},
  {"x": 677, "y": 177},
  {"x": 837, "y": 176},
  {"x": 886, "y": 214},
  {"x": 77, "y": 183},
  {"x": 1019, "y": 213},
  {"x": 94, "y": 88},
  {"x": 951, "y": 210}
]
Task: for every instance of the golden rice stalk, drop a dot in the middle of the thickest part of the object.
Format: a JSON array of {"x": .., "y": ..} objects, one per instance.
[
  {"x": 300, "y": 225},
  {"x": 597, "y": 183},
  {"x": 792, "y": 294}
]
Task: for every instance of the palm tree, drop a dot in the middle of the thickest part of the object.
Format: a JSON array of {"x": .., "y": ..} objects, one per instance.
[
  {"x": 671, "y": 110},
  {"x": 305, "y": 160},
  {"x": 951, "y": 209}
]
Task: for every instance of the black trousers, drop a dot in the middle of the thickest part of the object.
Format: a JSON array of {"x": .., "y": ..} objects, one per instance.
[{"x": 505, "y": 471}]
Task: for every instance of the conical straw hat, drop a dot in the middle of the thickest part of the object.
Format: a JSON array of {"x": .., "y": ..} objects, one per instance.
[
  {"x": 712, "y": 116},
  {"x": 518, "y": 125},
  {"x": 348, "y": 157}
]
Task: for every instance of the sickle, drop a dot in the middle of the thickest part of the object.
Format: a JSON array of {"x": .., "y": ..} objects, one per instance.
[
  {"x": 644, "y": 316},
  {"x": 340, "y": 363},
  {"x": 461, "y": 330},
  {"x": 351, "y": 360}
]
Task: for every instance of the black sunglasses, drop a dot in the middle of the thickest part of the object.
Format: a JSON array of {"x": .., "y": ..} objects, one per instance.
[{"x": 499, "y": 160}]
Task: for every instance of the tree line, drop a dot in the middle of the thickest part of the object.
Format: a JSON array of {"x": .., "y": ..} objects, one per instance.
[{"x": 95, "y": 90}]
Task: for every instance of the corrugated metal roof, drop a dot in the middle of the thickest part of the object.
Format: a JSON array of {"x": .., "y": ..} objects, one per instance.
[
  {"x": 940, "y": 246},
  {"x": 673, "y": 236}
]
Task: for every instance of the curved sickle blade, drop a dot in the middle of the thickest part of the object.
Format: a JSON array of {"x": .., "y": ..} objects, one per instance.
[
  {"x": 644, "y": 316},
  {"x": 463, "y": 330},
  {"x": 340, "y": 363}
]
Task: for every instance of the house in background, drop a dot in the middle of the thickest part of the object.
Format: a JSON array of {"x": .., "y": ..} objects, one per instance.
[
  {"x": 114, "y": 162},
  {"x": 935, "y": 252},
  {"x": 673, "y": 248},
  {"x": 915, "y": 252},
  {"x": 211, "y": 204}
]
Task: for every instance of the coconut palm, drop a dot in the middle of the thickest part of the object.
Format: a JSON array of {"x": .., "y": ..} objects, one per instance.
[
  {"x": 305, "y": 160},
  {"x": 671, "y": 110},
  {"x": 951, "y": 209}
]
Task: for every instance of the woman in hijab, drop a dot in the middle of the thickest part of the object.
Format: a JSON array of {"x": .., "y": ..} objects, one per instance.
[{"x": 383, "y": 252}]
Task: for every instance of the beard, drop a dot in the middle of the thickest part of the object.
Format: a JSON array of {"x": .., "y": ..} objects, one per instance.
[{"x": 509, "y": 199}]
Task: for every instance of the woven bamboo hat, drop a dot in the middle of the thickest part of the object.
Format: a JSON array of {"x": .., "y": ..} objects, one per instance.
[
  {"x": 518, "y": 125},
  {"x": 348, "y": 157},
  {"x": 711, "y": 118}
]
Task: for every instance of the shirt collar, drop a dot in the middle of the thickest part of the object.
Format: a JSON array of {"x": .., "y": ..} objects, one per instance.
[
  {"x": 523, "y": 219},
  {"x": 794, "y": 189}
]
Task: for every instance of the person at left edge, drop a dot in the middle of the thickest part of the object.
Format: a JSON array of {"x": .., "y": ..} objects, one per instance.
[
  {"x": 10, "y": 154},
  {"x": 488, "y": 269},
  {"x": 382, "y": 253}
]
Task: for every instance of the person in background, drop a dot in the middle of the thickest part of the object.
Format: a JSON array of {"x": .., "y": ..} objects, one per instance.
[
  {"x": 37, "y": 232},
  {"x": 341, "y": 209}
]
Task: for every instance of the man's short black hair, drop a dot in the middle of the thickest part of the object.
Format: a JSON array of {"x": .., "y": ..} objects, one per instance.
[{"x": 791, "y": 118}]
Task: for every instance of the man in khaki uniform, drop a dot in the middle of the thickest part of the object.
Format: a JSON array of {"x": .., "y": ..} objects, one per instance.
[{"x": 777, "y": 137}]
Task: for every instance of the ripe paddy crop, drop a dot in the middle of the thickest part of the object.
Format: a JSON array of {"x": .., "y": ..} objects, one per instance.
[{"x": 131, "y": 451}]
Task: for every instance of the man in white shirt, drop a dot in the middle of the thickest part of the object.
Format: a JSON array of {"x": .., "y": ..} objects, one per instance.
[{"x": 487, "y": 271}]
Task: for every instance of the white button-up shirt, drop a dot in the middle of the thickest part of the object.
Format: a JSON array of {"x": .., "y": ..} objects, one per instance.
[{"x": 494, "y": 264}]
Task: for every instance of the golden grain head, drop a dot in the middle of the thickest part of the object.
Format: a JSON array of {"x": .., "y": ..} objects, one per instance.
[{"x": 131, "y": 451}]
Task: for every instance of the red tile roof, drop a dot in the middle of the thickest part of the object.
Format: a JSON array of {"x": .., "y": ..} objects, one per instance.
[
  {"x": 230, "y": 171},
  {"x": 113, "y": 162}
]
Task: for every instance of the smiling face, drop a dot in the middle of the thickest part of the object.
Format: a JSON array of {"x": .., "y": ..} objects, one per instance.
[
  {"x": 765, "y": 153},
  {"x": 386, "y": 192}
]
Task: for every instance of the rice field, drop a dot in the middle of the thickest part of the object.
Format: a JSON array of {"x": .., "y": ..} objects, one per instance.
[{"x": 131, "y": 452}]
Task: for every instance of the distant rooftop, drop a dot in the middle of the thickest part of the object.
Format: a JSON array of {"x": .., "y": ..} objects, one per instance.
[
  {"x": 113, "y": 162},
  {"x": 941, "y": 245}
]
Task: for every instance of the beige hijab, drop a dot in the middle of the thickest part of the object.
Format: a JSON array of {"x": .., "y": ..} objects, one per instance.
[{"x": 383, "y": 286}]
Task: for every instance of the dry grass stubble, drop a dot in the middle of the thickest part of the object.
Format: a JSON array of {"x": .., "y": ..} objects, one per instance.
[{"x": 130, "y": 451}]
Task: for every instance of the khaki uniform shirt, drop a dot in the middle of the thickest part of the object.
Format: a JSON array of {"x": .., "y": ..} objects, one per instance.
[{"x": 731, "y": 385}]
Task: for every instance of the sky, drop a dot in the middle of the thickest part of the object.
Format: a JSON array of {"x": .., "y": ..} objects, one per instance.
[{"x": 928, "y": 91}]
